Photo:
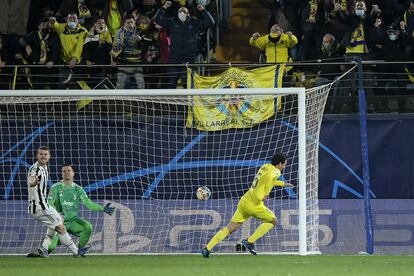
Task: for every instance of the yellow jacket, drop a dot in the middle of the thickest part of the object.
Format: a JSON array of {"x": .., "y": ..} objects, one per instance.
[
  {"x": 71, "y": 41},
  {"x": 275, "y": 52}
]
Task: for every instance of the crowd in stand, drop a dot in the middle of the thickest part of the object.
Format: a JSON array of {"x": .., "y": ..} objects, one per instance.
[
  {"x": 120, "y": 33},
  {"x": 133, "y": 32},
  {"x": 340, "y": 30}
]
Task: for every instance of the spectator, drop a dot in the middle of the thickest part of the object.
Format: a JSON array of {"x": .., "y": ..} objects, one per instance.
[
  {"x": 42, "y": 48},
  {"x": 330, "y": 51},
  {"x": 408, "y": 17},
  {"x": 407, "y": 25},
  {"x": 72, "y": 37},
  {"x": 377, "y": 37},
  {"x": 151, "y": 51},
  {"x": 184, "y": 32},
  {"x": 334, "y": 12},
  {"x": 357, "y": 41},
  {"x": 97, "y": 48},
  {"x": 276, "y": 44},
  {"x": 393, "y": 74},
  {"x": 311, "y": 26},
  {"x": 127, "y": 50}
]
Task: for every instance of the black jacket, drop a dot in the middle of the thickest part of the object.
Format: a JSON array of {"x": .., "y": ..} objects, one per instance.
[
  {"x": 52, "y": 47},
  {"x": 94, "y": 51},
  {"x": 184, "y": 35}
]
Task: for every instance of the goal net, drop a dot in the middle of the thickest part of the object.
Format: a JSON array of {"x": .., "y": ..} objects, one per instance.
[{"x": 139, "y": 151}]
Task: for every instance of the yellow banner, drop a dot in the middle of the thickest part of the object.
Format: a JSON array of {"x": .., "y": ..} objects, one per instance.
[
  {"x": 83, "y": 103},
  {"x": 219, "y": 113}
]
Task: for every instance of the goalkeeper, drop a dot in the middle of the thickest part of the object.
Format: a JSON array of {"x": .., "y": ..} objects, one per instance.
[
  {"x": 252, "y": 205},
  {"x": 66, "y": 197}
]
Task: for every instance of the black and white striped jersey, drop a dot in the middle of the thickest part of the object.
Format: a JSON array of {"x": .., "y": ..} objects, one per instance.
[{"x": 38, "y": 193}]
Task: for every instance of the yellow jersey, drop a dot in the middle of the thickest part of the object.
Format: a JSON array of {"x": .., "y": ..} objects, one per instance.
[
  {"x": 266, "y": 178},
  {"x": 71, "y": 41}
]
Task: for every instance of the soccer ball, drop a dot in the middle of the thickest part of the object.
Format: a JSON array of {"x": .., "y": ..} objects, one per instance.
[{"x": 203, "y": 193}]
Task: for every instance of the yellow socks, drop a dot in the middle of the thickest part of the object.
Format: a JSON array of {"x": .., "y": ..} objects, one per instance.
[
  {"x": 218, "y": 237},
  {"x": 260, "y": 231}
]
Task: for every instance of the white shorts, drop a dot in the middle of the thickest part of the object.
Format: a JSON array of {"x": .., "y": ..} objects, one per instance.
[{"x": 49, "y": 217}]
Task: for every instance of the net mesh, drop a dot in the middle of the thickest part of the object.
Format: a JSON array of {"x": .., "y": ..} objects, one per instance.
[{"x": 138, "y": 154}]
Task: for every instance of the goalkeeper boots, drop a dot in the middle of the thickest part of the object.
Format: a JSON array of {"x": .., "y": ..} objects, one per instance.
[
  {"x": 82, "y": 251},
  {"x": 43, "y": 252},
  {"x": 205, "y": 252},
  {"x": 249, "y": 246}
]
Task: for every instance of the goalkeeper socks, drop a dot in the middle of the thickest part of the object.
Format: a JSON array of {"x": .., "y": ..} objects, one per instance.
[
  {"x": 260, "y": 231},
  {"x": 50, "y": 234},
  {"x": 66, "y": 240},
  {"x": 218, "y": 238}
]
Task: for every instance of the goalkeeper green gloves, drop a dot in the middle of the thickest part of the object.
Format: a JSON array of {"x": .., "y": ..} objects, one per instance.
[{"x": 108, "y": 209}]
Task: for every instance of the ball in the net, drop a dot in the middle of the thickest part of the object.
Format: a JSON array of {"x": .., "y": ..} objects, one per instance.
[{"x": 203, "y": 193}]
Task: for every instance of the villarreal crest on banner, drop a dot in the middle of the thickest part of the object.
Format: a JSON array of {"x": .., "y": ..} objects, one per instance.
[{"x": 211, "y": 113}]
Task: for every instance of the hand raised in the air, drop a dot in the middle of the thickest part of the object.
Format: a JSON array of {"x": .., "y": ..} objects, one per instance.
[
  {"x": 255, "y": 35},
  {"x": 167, "y": 4},
  {"x": 108, "y": 209}
]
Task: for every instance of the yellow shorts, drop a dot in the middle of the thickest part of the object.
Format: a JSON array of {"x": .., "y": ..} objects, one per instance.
[{"x": 246, "y": 210}]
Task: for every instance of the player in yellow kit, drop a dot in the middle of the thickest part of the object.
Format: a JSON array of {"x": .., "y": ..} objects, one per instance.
[{"x": 252, "y": 205}]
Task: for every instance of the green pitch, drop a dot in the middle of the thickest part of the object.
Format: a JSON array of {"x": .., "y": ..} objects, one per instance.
[{"x": 215, "y": 265}]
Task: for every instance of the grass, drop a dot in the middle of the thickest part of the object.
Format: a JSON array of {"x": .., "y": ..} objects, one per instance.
[{"x": 215, "y": 265}]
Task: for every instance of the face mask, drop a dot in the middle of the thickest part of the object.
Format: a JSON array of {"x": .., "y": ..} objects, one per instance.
[
  {"x": 72, "y": 25},
  {"x": 327, "y": 46},
  {"x": 182, "y": 16},
  {"x": 392, "y": 37},
  {"x": 274, "y": 35},
  {"x": 360, "y": 13}
]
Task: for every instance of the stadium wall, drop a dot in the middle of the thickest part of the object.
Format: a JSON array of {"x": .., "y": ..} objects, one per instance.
[{"x": 159, "y": 227}]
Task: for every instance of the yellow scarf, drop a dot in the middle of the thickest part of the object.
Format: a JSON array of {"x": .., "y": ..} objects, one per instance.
[
  {"x": 313, "y": 4},
  {"x": 43, "y": 48}
]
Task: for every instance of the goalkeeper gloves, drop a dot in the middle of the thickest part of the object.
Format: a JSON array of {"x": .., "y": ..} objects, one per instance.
[{"x": 108, "y": 209}]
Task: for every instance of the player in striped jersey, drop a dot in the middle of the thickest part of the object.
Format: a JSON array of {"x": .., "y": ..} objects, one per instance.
[
  {"x": 37, "y": 179},
  {"x": 252, "y": 205}
]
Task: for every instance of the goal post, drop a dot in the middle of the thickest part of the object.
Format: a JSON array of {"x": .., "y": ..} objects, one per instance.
[{"x": 133, "y": 148}]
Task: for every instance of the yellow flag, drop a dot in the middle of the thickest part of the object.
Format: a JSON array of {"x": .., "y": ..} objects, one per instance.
[
  {"x": 410, "y": 76},
  {"x": 83, "y": 103},
  {"x": 218, "y": 113}
]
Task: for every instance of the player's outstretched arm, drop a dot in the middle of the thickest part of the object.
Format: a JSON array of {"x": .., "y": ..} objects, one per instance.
[
  {"x": 94, "y": 206},
  {"x": 87, "y": 202}
]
